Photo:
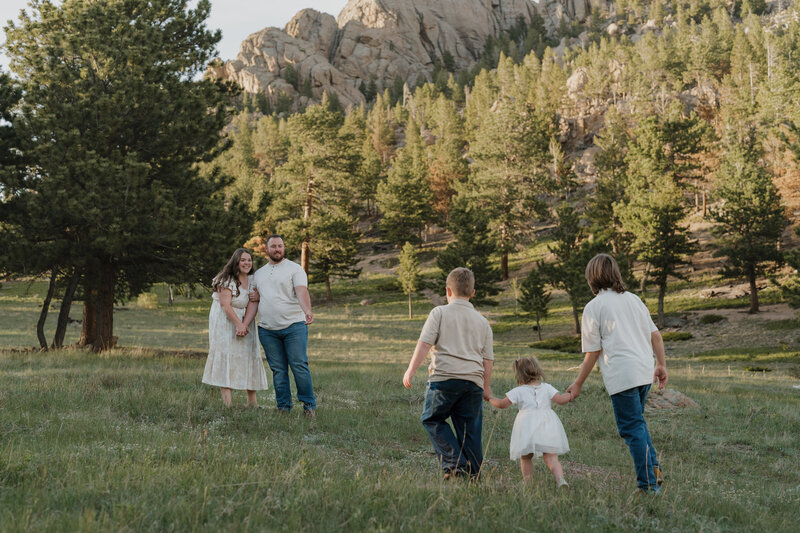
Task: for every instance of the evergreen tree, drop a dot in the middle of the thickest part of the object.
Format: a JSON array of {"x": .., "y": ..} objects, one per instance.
[
  {"x": 535, "y": 298},
  {"x": 472, "y": 248},
  {"x": 405, "y": 197},
  {"x": 510, "y": 173},
  {"x": 750, "y": 218},
  {"x": 572, "y": 251},
  {"x": 654, "y": 208},
  {"x": 120, "y": 125},
  {"x": 335, "y": 245},
  {"x": 408, "y": 273},
  {"x": 316, "y": 179},
  {"x": 447, "y": 165}
]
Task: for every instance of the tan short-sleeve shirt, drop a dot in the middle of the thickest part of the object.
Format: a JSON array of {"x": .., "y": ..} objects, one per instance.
[{"x": 461, "y": 339}]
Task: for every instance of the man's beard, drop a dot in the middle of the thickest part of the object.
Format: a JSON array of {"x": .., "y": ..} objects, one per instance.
[{"x": 276, "y": 256}]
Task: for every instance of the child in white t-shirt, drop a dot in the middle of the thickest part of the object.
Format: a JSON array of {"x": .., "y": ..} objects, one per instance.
[
  {"x": 537, "y": 429},
  {"x": 618, "y": 333}
]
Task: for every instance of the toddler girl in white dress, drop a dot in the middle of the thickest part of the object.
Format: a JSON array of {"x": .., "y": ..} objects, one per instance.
[{"x": 537, "y": 429}]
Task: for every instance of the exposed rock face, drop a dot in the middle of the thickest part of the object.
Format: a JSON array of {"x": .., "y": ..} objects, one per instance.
[{"x": 380, "y": 40}]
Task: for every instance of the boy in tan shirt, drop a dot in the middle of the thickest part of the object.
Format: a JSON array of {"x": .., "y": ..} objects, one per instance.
[{"x": 459, "y": 376}]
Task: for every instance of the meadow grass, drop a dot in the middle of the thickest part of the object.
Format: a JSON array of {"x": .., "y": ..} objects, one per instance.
[{"x": 131, "y": 440}]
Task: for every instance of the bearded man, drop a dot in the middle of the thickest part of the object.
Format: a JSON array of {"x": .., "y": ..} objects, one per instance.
[{"x": 284, "y": 313}]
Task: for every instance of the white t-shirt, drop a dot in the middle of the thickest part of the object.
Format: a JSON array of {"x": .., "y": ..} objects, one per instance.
[
  {"x": 530, "y": 397},
  {"x": 620, "y": 326},
  {"x": 279, "y": 307}
]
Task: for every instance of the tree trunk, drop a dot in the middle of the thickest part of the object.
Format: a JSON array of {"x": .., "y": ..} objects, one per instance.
[
  {"x": 643, "y": 284},
  {"x": 704, "y": 201},
  {"x": 575, "y": 319},
  {"x": 328, "y": 293},
  {"x": 662, "y": 289},
  {"x": 304, "y": 248},
  {"x": 89, "y": 324},
  {"x": 538, "y": 329},
  {"x": 410, "y": 312},
  {"x": 504, "y": 266},
  {"x": 171, "y": 294},
  {"x": 753, "y": 293},
  {"x": 45, "y": 308},
  {"x": 104, "y": 311},
  {"x": 63, "y": 313}
]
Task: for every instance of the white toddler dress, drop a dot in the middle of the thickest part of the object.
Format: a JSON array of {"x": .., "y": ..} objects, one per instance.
[
  {"x": 233, "y": 362},
  {"x": 537, "y": 428}
]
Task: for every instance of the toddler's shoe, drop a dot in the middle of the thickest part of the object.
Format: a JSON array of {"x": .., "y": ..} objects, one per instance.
[{"x": 562, "y": 483}]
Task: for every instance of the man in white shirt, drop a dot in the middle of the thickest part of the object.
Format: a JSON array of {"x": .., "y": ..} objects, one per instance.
[{"x": 284, "y": 313}]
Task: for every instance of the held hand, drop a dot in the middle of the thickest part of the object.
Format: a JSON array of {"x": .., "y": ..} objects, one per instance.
[
  {"x": 660, "y": 376},
  {"x": 309, "y": 318},
  {"x": 407, "y": 378},
  {"x": 487, "y": 393},
  {"x": 241, "y": 330},
  {"x": 575, "y": 390},
  {"x": 254, "y": 296}
]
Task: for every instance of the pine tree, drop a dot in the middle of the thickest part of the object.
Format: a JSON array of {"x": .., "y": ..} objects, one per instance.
[
  {"x": 472, "y": 248},
  {"x": 335, "y": 244},
  {"x": 572, "y": 251},
  {"x": 408, "y": 273},
  {"x": 510, "y": 174},
  {"x": 405, "y": 197},
  {"x": 659, "y": 162},
  {"x": 447, "y": 165},
  {"x": 750, "y": 218},
  {"x": 121, "y": 125},
  {"x": 535, "y": 298},
  {"x": 316, "y": 179}
]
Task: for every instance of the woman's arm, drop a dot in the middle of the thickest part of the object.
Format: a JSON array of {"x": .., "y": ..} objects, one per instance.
[
  {"x": 225, "y": 297},
  {"x": 250, "y": 313},
  {"x": 500, "y": 403}
]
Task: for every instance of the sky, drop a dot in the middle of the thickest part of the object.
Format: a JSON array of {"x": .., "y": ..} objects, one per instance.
[{"x": 236, "y": 18}]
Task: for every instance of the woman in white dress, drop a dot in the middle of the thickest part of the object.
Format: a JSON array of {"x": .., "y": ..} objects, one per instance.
[{"x": 234, "y": 357}]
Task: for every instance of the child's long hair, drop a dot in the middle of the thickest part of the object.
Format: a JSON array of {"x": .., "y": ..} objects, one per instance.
[
  {"x": 527, "y": 369},
  {"x": 230, "y": 272},
  {"x": 602, "y": 272}
]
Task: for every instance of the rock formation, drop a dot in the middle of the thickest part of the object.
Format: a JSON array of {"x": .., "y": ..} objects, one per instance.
[{"x": 379, "y": 40}]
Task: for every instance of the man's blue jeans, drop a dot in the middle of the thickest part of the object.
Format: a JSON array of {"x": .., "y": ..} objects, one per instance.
[
  {"x": 462, "y": 402},
  {"x": 629, "y": 412},
  {"x": 285, "y": 349}
]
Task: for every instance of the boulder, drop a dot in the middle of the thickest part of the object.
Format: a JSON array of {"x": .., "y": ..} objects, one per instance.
[{"x": 668, "y": 399}]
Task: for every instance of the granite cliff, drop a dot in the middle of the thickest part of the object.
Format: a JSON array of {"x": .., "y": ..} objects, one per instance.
[{"x": 377, "y": 40}]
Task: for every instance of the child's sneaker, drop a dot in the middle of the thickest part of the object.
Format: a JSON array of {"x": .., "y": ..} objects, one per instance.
[{"x": 562, "y": 483}]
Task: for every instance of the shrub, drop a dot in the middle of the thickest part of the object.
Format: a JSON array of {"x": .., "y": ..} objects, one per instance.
[
  {"x": 671, "y": 336},
  {"x": 562, "y": 343},
  {"x": 147, "y": 300},
  {"x": 711, "y": 319}
]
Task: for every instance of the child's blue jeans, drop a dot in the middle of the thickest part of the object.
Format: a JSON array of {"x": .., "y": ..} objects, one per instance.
[
  {"x": 462, "y": 402},
  {"x": 629, "y": 412}
]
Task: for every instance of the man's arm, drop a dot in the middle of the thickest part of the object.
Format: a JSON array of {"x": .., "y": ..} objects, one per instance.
[
  {"x": 250, "y": 313},
  {"x": 304, "y": 298},
  {"x": 660, "y": 374},
  {"x": 586, "y": 368},
  {"x": 488, "y": 364},
  {"x": 420, "y": 352}
]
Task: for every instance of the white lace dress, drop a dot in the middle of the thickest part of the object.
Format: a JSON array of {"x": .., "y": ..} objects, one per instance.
[
  {"x": 233, "y": 362},
  {"x": 537, "y": 428}
]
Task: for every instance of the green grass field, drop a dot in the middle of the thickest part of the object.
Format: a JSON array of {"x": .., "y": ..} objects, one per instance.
[{"x": 131, "y": 440}]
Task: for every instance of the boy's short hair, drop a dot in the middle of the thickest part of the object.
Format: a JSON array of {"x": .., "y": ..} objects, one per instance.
[
  {"x": 461, "y": 281},
  {"x": 602, "y": 272}
]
